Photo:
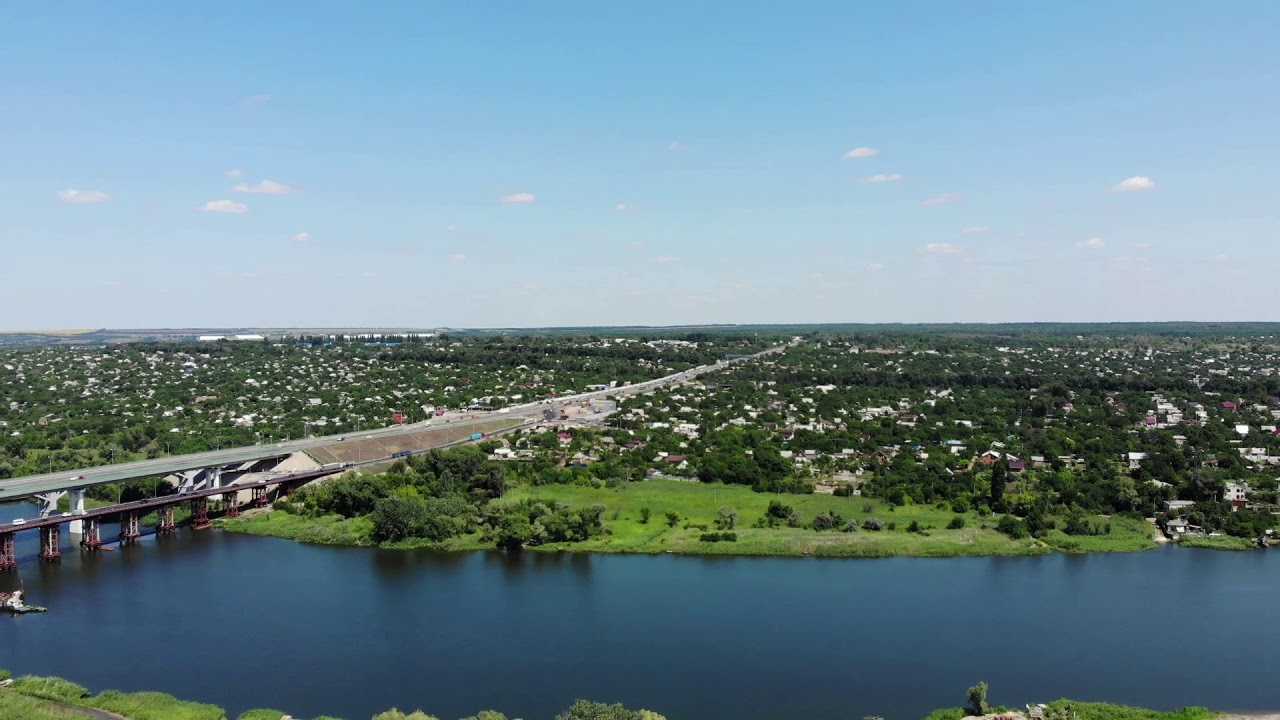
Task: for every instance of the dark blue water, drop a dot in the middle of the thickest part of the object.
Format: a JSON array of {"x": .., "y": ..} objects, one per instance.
[{"x": 247, "y": 622}]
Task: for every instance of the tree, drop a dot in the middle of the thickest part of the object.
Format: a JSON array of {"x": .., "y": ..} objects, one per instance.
[
  {"x": 977, "y": 699},
  {"x": 397, "y": 517},
  {"x": 673, "y": 518},
  {"x": 728, "y": 517},
  {"x": 394, "y": 714},
  {"x": 645, "y": 512},
  {"x": 587, "y": 710},
  {"x": 999, "y": 478}
]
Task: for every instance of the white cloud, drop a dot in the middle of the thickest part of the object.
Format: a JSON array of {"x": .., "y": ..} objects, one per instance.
[
  {"x": 974, "y": 230},
  {"x": 113, "y": 284},
  {"x": 1137, "y": 182},
  {"x": 232, "y": 173},
  {"x": 82, "y": 196},
  {"x": 874, "y": 267},
  {"x": 943, "y": 249},
  {"x": 452, "y": 228},
  {"x": 303, "y": 237},
  {"x": 860, "y": 152},
  {"x": 636, "y": 245},
  {"x": 677, "y": 147},
  {"x": 524, "y": 197},
  {"x": 458, "y": 257},
  {"x": 368, "y": 274},
  {"x": 667, "y": 260},
  {"x": 892, "y": 177},
  {"x": 266, "y": 187},
  {"x": 529, "y": 288},
  {"x": 255, "y": 99},
  {"x": 623, "y": 207},
  {"x": 1091, "y": 243},
  {"x": 224, "y": 206},
  {"x": 1220, "y": 258},
  {"x": 1142, "y": 246},
  {"x": 944, "y": 199},
  {"x": 817, "y": 276}
]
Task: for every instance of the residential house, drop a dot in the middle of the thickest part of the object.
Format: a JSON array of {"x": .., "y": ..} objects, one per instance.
[{"x": 1235, "y": 494}]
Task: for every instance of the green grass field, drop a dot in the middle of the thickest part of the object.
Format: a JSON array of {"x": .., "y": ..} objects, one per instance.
[{"x": 699, "y": 503}]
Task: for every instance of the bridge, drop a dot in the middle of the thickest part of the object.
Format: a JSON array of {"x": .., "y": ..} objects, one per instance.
[{"x": 130, "y": 513}]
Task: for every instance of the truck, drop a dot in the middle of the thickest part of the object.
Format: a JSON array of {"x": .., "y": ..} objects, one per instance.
[
  {"x": 477, "y": 436},
  {"x": 402, "y": 453}
]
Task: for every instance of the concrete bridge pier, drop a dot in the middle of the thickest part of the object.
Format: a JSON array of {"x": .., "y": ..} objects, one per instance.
[
  {"x": 129, "y": 527},
  {"x": 50, "y": 542},
  {"x": 49, "y": 502},
  {"x": 76, "y": 508},
  {"x": 92, "y": 539},
  {"x": 209, "y": 478},
  {"x": 8, "y": 552},
  {"x": 166, "y": 520}
]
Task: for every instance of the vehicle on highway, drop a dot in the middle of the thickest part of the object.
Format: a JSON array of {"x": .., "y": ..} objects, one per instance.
[
  {"x": 342, "y": 438},
  {"x": 77, "y": 477},
  {"x": 19, "y": 521},
  {"x": 66, "y": 514}
]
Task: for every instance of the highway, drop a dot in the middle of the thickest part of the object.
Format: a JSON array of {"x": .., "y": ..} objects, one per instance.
[{"x": 70, "y": 479}]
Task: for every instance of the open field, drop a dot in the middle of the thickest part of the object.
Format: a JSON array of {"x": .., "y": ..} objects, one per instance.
[{"x": 699, "y": 504}]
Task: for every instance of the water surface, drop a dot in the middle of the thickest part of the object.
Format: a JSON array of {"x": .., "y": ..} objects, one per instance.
[{"x": 256, "y": 622}]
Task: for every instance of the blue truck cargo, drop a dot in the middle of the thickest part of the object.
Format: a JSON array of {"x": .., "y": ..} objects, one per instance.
[
  {"x": 477, "y": 436},
  {"x": 402, "y": 453}
]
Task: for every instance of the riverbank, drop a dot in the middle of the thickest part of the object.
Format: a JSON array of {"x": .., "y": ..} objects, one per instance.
[
  {"x": 660, "y": 516},
  {"x": 50, "y": 698}
]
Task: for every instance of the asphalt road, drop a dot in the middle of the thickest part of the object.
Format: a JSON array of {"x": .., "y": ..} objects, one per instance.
[{"x": 70, "y": 479}]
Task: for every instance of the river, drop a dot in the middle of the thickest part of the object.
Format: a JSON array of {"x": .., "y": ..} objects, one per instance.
[{"x": 257, "y": 622}]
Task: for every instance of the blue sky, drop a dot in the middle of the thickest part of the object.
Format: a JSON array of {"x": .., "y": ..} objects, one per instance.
[{"x": 571, "y": 163}]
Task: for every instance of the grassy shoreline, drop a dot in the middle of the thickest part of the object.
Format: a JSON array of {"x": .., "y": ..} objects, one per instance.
[
  {"x": 33, "y": 697},
  {"x": 697, "y": 507}
]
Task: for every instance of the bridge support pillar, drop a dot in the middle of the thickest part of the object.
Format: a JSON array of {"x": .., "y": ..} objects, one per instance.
[
  {"x": 200, "y": 513},
  {"x": 76, "y": 508},
  {"x": 213, "y": 476},
  {"x": 129, "y": 527},
  {"x": 92, "y": 539},
  {"x": 166, "y": 520},
  {"x": 233, "y": 507},
  {"x": 50, "y": 545},
  {"x": 49, "y": 502},
  {"x": 260, "y": 497},
  {"x": 8, "y": 552}
]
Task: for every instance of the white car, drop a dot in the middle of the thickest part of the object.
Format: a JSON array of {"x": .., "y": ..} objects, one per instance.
[
  {"x": 19, "y": 521},
  {"x": 77, "y": 477},
  {"x": 66, "y": 514}
]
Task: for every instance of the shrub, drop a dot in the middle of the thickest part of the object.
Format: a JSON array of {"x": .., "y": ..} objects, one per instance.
[
  {"x": 891, "y": 526},
  {"x": 867, "y": 507},
  {"x": 851, "y": 526},
  {"x": 673, "y": 518},
  {"x": 960, "y": 505},
  {"x": 914, "y": 526},
  {"x": 4, "y": 675},
  {"x": 957, "y": 523},
  {"x": 645, "y": 512},
  {"x": 1013, "y": 527},
  {"x": 874, "y": 524},
  {"x": 718, "y": 537}
]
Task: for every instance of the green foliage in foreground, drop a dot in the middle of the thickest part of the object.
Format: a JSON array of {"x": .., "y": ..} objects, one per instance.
[
  {"x": 1217, "y": 542},
  {"x": 1108, "y": 711},
  {"x": 32, "y": 697},
  {"x": 154, "y": 706}
]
